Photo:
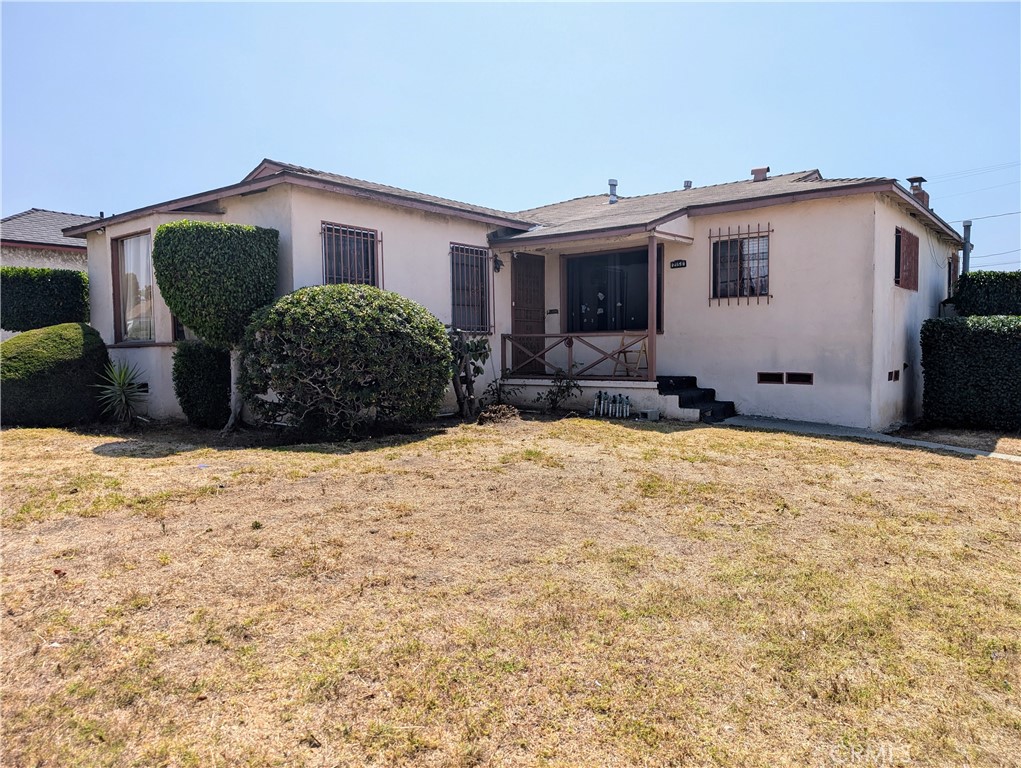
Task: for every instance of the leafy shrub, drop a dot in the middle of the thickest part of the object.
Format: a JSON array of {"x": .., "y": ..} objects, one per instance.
[
  {"x": 972, "y": 371},
  {"x": 37, "y": 298},
  {"x": 470, "y": 354},
  {"x": 202, "y": 383},
  {"x": 988, "y": 293},
  {"x": 212, "y": 276},
  {"x": 47, "y": 376},
  {"x": 335, "y": 356}
]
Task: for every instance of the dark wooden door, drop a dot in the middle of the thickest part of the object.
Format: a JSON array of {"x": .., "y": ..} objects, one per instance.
[{"x": 528, "y": 303}]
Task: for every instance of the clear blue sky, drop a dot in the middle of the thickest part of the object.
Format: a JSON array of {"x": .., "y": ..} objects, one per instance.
[{"x": 112, "y": 107}]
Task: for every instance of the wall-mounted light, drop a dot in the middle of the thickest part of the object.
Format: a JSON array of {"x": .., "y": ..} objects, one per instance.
[
  {"x": 497, "y": 263},
  {"x": 101, "y": 231}
]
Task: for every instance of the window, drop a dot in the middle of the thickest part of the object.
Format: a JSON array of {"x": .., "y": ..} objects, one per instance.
[
  {"x": 182, "y": 332},
  {"x": 610, "y": 292},
  {"x": 469, "y": 288},
  {"x": 905, "y": 260},
  {"x": 349, "y": 255},
  {"x": 133, "y": 320},
  {"x": 740, "y": 263}
]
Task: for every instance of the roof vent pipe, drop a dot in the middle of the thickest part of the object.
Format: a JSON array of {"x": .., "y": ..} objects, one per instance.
[
  {"x": 613, "y": 191},
  {"x": 687, "y": 184},
  {"x": 759, "y": 174}
]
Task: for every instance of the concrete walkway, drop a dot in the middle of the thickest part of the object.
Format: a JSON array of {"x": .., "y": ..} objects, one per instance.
[{"x": 830, "y": 430}]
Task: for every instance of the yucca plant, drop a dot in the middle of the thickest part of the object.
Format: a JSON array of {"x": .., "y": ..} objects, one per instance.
[{"x": 120, "y": 391}]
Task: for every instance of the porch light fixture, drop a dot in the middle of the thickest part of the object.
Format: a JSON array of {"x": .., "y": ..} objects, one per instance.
[{"x": 497, "y": 263}]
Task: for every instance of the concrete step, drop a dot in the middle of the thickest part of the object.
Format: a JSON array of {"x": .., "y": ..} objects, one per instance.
[{"x": 691, "y": 396}]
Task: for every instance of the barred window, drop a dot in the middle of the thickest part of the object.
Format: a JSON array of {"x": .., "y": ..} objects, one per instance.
[
  {"x": 740, "y": 263},
  {"x": 349, "y": 255},
  {"x": 469, "y": 288}
]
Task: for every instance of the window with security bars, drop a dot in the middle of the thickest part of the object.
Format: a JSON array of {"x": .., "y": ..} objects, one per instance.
[
  {"x": 469, "y": 288},
  {"x": 905, "y": 260},
  {"x": 349, "y": 255},
  {"x": 740, "y": 263}
]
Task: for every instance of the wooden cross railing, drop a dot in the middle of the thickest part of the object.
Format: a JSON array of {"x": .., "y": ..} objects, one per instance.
[{"x": 608, "y": 355}]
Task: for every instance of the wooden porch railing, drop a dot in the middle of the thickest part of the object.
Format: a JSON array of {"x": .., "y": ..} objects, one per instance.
[{"x": 608, "y": 355}]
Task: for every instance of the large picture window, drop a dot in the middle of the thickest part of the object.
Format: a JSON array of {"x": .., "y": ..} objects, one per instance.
[
  {"x": 349, "y": 255},
  {"x": 133, "y": 286},
  {"x": 469, "y": 288},
  {"x": 740, "y": 263}
]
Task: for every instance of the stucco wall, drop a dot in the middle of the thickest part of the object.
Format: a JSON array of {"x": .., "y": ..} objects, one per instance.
[
  {"x": 899, "y": 313},
  {"x": 43, "y": 258}
]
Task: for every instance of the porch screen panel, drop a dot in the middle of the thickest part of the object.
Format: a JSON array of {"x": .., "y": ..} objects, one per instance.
[
  {"x": 469, "y": 288},
  {"x": 349, "y": 255}
]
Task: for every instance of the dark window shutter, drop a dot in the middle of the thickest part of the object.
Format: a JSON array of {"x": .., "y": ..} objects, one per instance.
[{"x": 909, "y": 261}]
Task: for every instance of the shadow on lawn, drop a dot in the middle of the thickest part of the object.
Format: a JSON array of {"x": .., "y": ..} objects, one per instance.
[{"x": 160, "y": 440}]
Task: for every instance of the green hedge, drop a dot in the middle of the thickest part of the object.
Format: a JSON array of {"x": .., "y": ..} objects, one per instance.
[
  {"x": 36, "y": 298},
  {"x": 338, "y": 356},
  {"x": 47, "y": 376},
  {"x": 213, "y": 276},
  {"x": 202, "y": 383},
  {"x": 988, "y": 293},
  {"x": 972, "y": 370}
]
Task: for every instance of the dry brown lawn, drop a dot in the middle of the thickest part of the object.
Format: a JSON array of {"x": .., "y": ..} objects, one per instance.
[
  {"x": 978, "y": 439},
  {"x": 526, "y": 593}
]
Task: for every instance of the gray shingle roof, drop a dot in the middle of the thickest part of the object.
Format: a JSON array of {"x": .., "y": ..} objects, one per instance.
[
  {"x": 595, "y": 213},
  {"x": 383, "y": 189},
  {"x": 41, "y": 227}
]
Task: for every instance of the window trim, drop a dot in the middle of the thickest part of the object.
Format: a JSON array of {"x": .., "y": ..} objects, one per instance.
[
  {"x": 740, "y": 235},
  {"x": 377, "y": 240},
  {"x": 119, "y": 322},
  {"x": 487, "y": 327}
]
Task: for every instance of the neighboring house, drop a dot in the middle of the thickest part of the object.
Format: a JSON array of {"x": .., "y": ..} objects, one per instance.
[
  {"x": 792, "y": 296},
  {"x": 34, "y": 238}
]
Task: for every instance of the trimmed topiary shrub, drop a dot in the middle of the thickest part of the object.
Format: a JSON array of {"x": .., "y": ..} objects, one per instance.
[
  {"x": 988, "y": 293},
  {"x": 972, "y": 371},
  {"x": 37, "y": 298},
  {"x": 202, "y": 383},
  {"x": 338, "y": 356},
  {"x": 212, "y": 276},
  {"x": 47, "y": 376}
]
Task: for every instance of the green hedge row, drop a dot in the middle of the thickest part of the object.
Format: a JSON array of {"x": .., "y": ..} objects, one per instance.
[
  {"x": 972, "y": 370},
  {"x": 202, "y": 383},
  {"x": 31, "y": 297},
  {"x": 988, "y": 293}
]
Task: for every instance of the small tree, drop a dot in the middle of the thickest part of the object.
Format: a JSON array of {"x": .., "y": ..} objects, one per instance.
[
  {"x": 213, "y": 276},
  {"x": 470, "y": 355}
]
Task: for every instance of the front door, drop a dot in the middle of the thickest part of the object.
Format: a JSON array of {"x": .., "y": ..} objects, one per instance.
[{"x": 528, "y": 313}]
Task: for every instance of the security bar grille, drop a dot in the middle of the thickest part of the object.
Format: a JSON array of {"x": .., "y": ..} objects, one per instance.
[
  {"x": 349, "y": 255},
  {"x": 740, "y": 264},
  {"x": 469, "y": 288}
]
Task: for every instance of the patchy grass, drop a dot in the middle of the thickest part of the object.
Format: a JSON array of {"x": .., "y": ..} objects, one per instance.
[{"x": 525, "y": 593}]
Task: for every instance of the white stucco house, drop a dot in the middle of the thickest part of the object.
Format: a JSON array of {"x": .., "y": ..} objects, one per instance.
[{"x": 789, "y": 295}]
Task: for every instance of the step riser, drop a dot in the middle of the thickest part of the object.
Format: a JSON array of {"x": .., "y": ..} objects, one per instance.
[{"x": 690, "y": 395}]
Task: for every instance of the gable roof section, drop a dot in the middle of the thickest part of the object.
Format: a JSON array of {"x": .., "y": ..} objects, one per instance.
[
  {"x": 270, "y": 173},
  {"x": 595, "y": 216},
  {"x": 37, "y": 226}
]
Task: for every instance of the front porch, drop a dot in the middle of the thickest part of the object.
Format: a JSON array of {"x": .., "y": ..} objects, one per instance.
[{"x": 584, "y": 356}]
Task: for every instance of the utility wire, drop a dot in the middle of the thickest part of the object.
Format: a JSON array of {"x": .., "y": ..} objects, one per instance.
[
  {"x": 979, "y": 218},
  {"x": 1002, "y": 264},
  {"x": 998, "y": 253},
  {"x": 955, "y": 175},
  {"x": 983, "y": 189}
]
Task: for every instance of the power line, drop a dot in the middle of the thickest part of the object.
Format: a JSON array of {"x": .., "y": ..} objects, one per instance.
[
  {"x": 983, "y": 189},
  {"x": 955, "y": 175},
  {"x": 1002, "y": 264},
  {"x": 998, "y": 253},
  {"x": 979, "y": 218}
]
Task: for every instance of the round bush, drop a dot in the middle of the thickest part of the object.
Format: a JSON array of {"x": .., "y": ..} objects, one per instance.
[
  {"x": 202, "y": 383},
  {"x": 47, "y": 376},
  {"x": 336, "y": 356}
]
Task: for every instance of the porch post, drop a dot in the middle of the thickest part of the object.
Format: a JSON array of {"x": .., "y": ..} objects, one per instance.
[{"x": 653, "y": 310}]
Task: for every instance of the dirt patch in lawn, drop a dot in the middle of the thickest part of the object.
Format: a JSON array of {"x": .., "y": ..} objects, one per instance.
[
  {"x": 521, "y": 593},
  {"x": 978, "y": 439}
]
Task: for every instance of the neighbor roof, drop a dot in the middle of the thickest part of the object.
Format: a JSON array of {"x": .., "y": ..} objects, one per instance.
[
  {"x": 41, "y": 227},
  {"x": 595, "y": 215}
]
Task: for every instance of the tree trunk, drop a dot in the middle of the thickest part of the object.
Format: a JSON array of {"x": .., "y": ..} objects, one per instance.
[{"x": 235, "y": 397}]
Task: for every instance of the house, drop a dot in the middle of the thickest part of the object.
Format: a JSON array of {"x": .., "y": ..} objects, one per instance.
[
  {"x": 789, "y": 295},
  {"x": 34, "y": 238}
]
